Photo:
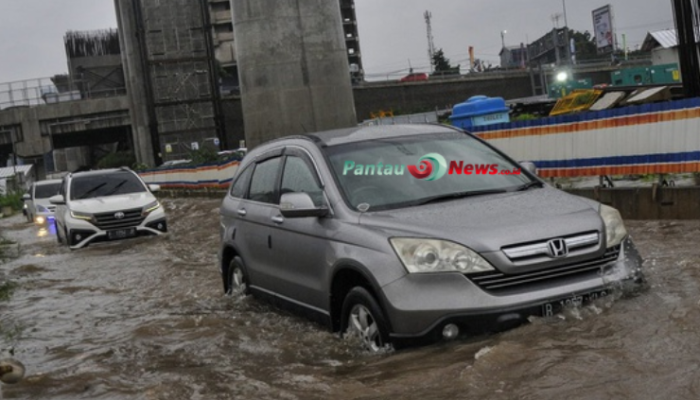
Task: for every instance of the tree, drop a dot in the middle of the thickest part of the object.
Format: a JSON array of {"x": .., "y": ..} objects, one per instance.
[
  {"x": 442, "y": 65},
  {"x": 585, "y": 45}
]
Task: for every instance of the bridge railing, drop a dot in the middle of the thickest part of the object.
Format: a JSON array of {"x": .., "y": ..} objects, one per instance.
[{"x": 40, "y": 91}]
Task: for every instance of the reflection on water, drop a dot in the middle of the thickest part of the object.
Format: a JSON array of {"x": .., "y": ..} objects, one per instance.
[{"x": 49, "y": 229}]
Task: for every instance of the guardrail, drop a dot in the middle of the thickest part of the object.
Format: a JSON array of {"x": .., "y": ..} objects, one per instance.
[
  {"x": 659, "y": 138},
  {"x": 40, "y": 91}
]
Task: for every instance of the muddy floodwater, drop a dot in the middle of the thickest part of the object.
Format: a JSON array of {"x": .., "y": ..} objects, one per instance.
[{"x": 146, "y": 319}]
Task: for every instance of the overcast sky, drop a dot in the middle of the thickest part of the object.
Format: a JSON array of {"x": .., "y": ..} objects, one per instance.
[{"x": 392, "y": 32}]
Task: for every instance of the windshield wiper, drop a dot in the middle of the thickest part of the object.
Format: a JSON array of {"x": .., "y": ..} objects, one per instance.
[
  {"x": 461, "y": 195},
  {"x": 91, "y": 191},
  {"x": 114, "y": 190},
  {"x": 530, "y": 185}
]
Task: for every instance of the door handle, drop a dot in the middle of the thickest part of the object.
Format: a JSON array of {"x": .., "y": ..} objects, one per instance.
[
  {"x": 242, "y": 212},
  {"x": 278, "y": 219}
]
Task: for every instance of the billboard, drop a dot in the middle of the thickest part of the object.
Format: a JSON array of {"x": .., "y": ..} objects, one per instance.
[{"x": 603, "y": 29}]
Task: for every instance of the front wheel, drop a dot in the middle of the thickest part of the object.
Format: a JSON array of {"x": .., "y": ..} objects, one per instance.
[
  {"x": 237, "y": 278},
  {"x": 58, "y": 232},
  {"x": 363, "y": 318}
]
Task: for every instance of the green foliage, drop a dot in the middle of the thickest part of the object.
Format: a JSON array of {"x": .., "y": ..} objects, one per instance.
[
  {"x": 13, "y": 200},
  {"x": 138, "y": 167},
  {"x": 203, "y": 156},
  {"x": 442, "y": 64},
  {"x": 117, "y": 160}
]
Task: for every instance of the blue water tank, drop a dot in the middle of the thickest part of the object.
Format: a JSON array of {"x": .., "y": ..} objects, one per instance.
[{"x": 480, "y": 111}]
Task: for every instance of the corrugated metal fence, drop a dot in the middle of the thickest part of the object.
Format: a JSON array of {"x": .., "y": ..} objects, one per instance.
[{"x": 655, "y": 138}]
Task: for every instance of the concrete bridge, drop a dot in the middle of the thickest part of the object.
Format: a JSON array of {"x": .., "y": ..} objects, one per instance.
[{"x": 68, "y": 132}]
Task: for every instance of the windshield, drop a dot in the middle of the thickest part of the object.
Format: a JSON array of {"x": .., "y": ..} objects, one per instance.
[
  {"x": 408, "y": 171},
  {"x": 87, "y": 187},
  {"x": 46, "y": 191}
]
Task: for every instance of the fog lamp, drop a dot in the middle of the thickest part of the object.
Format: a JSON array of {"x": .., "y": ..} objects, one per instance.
[{"x": 450, "y": 331}]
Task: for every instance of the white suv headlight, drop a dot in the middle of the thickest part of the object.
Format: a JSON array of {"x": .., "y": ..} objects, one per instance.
[
  {"x": 421, "y": 256},
  {"x": 150, "y": 208},
  {"x": 41, "y": 208},
  {"x": 81, "y": 215},
  {"x": 615, "y": 231}
]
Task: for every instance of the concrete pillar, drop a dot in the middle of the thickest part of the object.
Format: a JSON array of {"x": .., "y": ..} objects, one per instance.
[
  {"x": 136, "y": 80},
  {"x": 293, "y": 68}
]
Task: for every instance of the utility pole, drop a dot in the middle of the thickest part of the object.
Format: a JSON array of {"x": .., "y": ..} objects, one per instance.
[
  {"x": 566, "y": 36},
  {"x": 431, "y": 43}
]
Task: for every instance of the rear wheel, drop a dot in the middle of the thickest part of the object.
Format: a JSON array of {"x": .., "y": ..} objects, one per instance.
[
  {"x": 363, "y": 318},
  {"x": 237, "y": 278}
]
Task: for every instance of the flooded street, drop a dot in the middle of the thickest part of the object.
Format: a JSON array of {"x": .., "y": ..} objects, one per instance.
[{"x": 146, "y": 319}]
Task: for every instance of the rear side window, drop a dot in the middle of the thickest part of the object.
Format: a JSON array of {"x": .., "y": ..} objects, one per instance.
[
  {"x": 240, "y": 186},
  {"x": 264, "y": 181}
]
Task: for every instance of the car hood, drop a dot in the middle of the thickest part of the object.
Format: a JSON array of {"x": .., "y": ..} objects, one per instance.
[
  {"x": 488, "y": 223},
  {"x": 113, "y": 203},
  {"x": 43, "y": 202}
]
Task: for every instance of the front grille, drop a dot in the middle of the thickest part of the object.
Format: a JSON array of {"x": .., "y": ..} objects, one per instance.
[
  {"x": 109, "y": 221},
  {"x": 497, "y": 281}
]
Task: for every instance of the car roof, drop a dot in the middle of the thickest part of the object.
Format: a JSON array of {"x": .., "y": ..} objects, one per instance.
[
  {"x": 48, "y": 182},
  {"x": 364, "y": 133},
  {"x": 99, "y": 172}
]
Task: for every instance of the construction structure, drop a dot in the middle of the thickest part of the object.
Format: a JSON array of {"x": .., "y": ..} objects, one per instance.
[
  {"x": 293, "y": 66},
  {"x": 352, "y": 40},
  {"x": 171, "y": 77},
  {"x": 431, "y": 41}
]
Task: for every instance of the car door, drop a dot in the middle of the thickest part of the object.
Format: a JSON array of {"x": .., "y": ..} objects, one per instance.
[
  {"x": 254, "y": 221},
  {"x": 300, "y": 245}
]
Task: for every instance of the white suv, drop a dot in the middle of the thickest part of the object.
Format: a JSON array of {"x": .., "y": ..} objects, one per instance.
[
  {"x": 106, "y": 205},
  {"x": 36, "y": 201}
]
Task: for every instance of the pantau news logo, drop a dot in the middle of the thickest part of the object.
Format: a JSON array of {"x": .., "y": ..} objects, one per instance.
[{"x": 431, "y": 167}]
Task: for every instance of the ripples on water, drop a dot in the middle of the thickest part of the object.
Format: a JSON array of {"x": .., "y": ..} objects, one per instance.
[{"x": 147, "y": 320}]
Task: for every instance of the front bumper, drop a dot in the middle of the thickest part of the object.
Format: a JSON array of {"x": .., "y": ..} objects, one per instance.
[
  {"x": 83, "y": 232},
  {"x": 419, "y": 306}
]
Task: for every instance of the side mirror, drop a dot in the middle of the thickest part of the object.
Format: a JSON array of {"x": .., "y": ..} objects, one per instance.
[
  {"x": 57, "y": 200},
  {"x": 300, "y": 205},
  {"x": 26, "y": 197},
  {"x": 529, "y": 166},
  {"x": 154, "y": 188}
]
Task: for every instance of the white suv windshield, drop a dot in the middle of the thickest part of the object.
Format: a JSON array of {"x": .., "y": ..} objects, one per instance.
[
  {"x": 46, "y": 191},
  {"x": 111, "y": 184},
  {"x": 408, "y": 171}
]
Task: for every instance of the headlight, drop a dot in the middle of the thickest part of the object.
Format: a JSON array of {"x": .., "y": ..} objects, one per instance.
[
  {"x": 150, "y": 208},
  {"x": 615, "y": 231},
  {"x": 425, "y": 256},
  {"x": 81, "y": 215},
  {"x": 41, "y": 208}
]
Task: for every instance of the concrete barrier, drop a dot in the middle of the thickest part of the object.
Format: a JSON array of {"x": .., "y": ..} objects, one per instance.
[
  {"x": 652, "y": 203},
  {"x": 208, "y": 176}
]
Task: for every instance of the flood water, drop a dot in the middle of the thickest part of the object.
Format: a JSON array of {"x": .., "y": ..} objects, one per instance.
[{"x": 146, "y": 319}]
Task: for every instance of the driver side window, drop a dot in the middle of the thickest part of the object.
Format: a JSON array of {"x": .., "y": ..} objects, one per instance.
[{"x": 298, "y": 177}]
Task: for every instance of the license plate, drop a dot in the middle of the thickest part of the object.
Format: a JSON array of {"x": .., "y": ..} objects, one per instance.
[
  {"x": 121, "y": 234},
  {"x": 554, "y": 307}
]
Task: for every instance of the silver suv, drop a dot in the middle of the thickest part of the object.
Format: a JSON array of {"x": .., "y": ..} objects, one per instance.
[{"x": 413, "y": 232}]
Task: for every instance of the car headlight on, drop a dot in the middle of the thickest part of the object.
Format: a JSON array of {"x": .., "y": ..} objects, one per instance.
[
  {"x": 421, "y": 256},
  {"x": 81, "y": 215},
  {"x": 150, "y": 208},
  {"x": 615, "y": 231}
]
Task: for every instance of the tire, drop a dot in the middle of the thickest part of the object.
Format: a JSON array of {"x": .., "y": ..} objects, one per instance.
[
  {"x": 67, "y": 239},
  {"x": 58, "y": 233},
  {"x": 236, "y": 276},
  {"x": 29, "y": 218},
  {"x": 363, "y": 317}
]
